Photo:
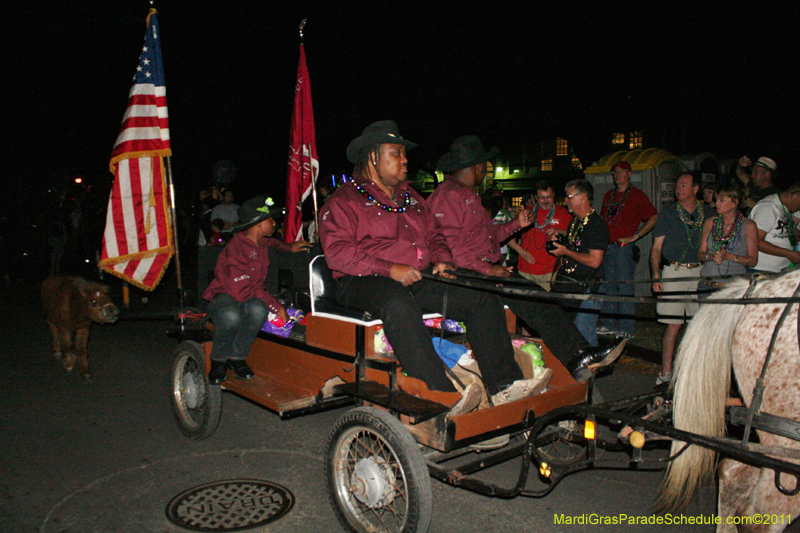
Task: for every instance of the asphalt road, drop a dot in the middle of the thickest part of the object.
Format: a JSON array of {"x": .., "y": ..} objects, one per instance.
[{"x": 106, "y": 455}]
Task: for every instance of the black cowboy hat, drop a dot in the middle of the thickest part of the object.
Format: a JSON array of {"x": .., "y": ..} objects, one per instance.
[
  {"x": 257, "y": 210},
  {"x": 381, "y": 132},
  {"x": 465, "y": 152}
]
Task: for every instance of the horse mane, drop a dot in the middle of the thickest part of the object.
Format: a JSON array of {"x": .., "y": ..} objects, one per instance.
[
  {"x": 85, "y": 286},
  {"x": 700, "y": 387}
]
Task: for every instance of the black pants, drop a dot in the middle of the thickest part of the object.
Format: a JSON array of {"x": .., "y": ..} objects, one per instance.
[
  {"x": 555, "y": 326},
  {"x": 401, "y": 308}
]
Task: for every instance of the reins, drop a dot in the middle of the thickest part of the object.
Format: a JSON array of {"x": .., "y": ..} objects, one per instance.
[
  {"x": 522, "y": 287},
  {"x": 758, "y": 390}
]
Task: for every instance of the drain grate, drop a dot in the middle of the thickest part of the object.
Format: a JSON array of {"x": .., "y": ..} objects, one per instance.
[{"x": 231, "y": 505}]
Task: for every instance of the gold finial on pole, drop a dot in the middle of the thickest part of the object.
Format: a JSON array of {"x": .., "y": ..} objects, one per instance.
[{"x": 300, "y": 27}]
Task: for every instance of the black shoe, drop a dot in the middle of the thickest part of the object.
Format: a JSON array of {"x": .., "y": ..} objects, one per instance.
[
  {"x": 241, "y": 369},
  {"x": 587, "y": 360},
  {"x": 219, "y": 370}
]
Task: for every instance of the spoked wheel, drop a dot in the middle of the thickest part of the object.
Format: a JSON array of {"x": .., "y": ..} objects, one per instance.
[
  {"x": 197, "y": 405},
  {"x": 376, "y": 475},
  {"x": 566, "y": 443}
]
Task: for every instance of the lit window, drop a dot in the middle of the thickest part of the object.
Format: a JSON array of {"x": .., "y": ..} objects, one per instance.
[
  {"x": 576, "y": 163},
  {"x": 547, "y": 164},
  {"x": 636, "y": 140},
  {"x": 561, "y": 147},
  {"x": 516, "y": 201},
  {"x": 617, "y": 138}
]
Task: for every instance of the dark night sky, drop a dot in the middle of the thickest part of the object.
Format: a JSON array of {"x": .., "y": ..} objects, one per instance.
[{"x": 727, "y": 79}]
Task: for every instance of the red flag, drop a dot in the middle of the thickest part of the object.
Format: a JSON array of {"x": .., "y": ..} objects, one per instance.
[
  {"x": 303, "y": 162},
  {"x": 137, "y": 242}
]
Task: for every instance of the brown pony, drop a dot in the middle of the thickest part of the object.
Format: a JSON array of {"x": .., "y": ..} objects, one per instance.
[
  {"x": 720, "y": 336},
  {"x": 71, "y": 304}
]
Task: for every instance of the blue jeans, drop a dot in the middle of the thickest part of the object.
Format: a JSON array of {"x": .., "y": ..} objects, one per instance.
[
  {"x": 618, "y": 265},
  {"x": 236, "y": 326},
  {"x": 586, "y": 323}
]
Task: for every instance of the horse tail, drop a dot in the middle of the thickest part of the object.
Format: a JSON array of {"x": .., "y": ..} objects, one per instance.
[{"x": 700, "y": 387}]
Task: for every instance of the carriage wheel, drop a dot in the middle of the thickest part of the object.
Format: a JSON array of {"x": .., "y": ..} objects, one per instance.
[
  {"x": 567, "y": 444},
  {"x": 376, "y": 476},
  {"x": 197, "y": 405}
]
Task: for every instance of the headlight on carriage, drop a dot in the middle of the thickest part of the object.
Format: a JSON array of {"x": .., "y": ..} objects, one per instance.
[
  {"x": 588, "y": 430},
  {"x": 544, "y": 470}
]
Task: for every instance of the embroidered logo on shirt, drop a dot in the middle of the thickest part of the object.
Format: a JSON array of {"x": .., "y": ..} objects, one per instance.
[{"x": 241, "y": 278}]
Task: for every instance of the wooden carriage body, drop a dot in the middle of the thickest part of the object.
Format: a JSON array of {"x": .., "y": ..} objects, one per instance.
[{"x": 332, "y": 361}]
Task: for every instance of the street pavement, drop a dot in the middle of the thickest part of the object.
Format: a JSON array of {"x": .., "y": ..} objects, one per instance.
[{"x": 106, "y": 455}]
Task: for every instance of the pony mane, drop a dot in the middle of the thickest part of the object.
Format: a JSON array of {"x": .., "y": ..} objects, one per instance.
[
  {"x": 86, "y": 286},
  {"x": 700, "y": 387}
]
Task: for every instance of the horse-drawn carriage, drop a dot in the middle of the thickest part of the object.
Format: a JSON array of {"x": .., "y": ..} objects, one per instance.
[{"x": 381, "y": 455}]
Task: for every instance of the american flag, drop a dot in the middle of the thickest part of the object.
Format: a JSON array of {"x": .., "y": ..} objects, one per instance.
[
  {"x": 137, "y": 243},
  {"x": 303, "y": 162}
]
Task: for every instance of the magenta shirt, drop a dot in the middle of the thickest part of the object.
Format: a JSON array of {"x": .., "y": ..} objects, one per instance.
[
  {"x": 474, "y": 240},
  {"x": 361, "y": 239},
  {"x": 242, "y": 269}
]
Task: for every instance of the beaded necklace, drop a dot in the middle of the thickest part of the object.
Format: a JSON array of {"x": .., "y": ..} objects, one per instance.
[
  {"x": 547, "y": 219},
  {"x": 788, "y": 224},
  {"x": 693, "y": 227},
  {"x": 686, "y": 217},
  {"x": 573, "y": 237},
  {"x": 614, "y": 208},
  {"x": 721, "y": 240},
  {"x": 383, "y": 206}
]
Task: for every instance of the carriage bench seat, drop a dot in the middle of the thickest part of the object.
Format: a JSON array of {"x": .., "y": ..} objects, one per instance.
[{"x": 328, "y": 315}]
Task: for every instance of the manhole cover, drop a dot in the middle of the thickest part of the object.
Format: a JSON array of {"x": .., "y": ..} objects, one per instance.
[{"x": 231, "y": 505}]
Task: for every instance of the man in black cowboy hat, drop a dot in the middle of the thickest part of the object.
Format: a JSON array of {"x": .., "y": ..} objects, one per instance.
[
  {"x": 379, "y": 236},
  {"x": 239, "y": 303},
  {"x": 475, "y": 243}
]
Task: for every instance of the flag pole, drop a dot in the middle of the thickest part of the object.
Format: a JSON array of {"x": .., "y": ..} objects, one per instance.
[
  {"x": 174, "y": 227},
  {"x": 301, "y": 27},
  {"x": 173, "y": 224}
]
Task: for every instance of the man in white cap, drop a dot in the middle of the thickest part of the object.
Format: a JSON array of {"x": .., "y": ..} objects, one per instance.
[
  {"x": 776, "y": 240},
  {"x": 763, "y": 174}
]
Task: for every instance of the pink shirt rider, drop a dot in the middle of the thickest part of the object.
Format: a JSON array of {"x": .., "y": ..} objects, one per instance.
[
  {"x": 242, "y": 268},
  {"x": 474, "y": 240},
  {"x": 361, "y": 239}
]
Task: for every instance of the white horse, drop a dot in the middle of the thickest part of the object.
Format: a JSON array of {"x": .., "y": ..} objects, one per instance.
[{"x": 720, "y": 336}]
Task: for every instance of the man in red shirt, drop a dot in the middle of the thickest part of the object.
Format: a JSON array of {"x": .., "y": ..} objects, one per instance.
[
  {"x": 625, "y": 209},
  {"x": 239, "y": 303},
  {"x": 535, "y": 263},
  {"x": 379, "y": 236},
  {"x": 475, "y": 243}
]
